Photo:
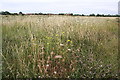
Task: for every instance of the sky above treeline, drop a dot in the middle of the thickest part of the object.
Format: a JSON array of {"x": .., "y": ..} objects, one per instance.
[{"x": 61, "y": 6}]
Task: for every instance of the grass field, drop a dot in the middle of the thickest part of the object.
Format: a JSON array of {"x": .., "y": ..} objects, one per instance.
[{"x": 59, "y": 47}]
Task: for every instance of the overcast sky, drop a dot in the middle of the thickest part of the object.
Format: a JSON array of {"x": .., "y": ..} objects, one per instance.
[{"x": 61, "y": 6}]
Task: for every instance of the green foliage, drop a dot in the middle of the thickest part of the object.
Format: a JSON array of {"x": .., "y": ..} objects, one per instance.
[{"x": 5, "y": 13}]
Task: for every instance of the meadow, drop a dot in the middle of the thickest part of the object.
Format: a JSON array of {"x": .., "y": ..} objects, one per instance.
[{"x": 52, "y": 46}]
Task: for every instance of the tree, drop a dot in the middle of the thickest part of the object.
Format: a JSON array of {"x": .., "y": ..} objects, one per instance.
[
  {"x": 92, "y": 15},
  {"x": 21, "y": 13},
  {"x": 15, "y": 13},
  {"x": 82, "y": 15},
  {"x": 61, "y": 14},
  {"x": 98, "y": 15},
  {"x": 5, "y": 13}
]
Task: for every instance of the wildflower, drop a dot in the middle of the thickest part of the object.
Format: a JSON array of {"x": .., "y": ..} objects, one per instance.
[
  {"x": 47, "y": 65},
  {"x": 39, "y": 76},
  {"x": 62, "y": 45},
  {"x": 55, "y": 72},
  {"x": 69, "y": 49},
  {"x": 68, "y": 40},
  {"x": 58, "y": 56},
  {"x": 101, "y": 65},
  {"x": 63, "y": 32}
]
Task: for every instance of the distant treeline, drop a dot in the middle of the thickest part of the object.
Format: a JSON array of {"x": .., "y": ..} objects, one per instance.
[{"x": 70, "y": 14}]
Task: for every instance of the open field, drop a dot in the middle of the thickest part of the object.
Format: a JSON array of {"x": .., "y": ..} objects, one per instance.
[{"x": 59, "y": 47}]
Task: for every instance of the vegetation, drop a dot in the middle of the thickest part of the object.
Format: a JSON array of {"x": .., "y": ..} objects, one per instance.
[
  {"x": 70, "y": 14},
  {"x": 43, "y": 46}
]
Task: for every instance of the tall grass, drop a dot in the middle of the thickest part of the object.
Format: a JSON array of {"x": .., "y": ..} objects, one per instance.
[
  {"x": 59, "y": 47},
  {"x": 0, "y": 47}
]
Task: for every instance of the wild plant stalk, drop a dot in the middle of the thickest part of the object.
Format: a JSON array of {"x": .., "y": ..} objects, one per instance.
[{"x": 59, "y": 46}]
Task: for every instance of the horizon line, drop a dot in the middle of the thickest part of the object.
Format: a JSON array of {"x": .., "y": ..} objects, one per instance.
[{"x": 56, "y": 13}]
